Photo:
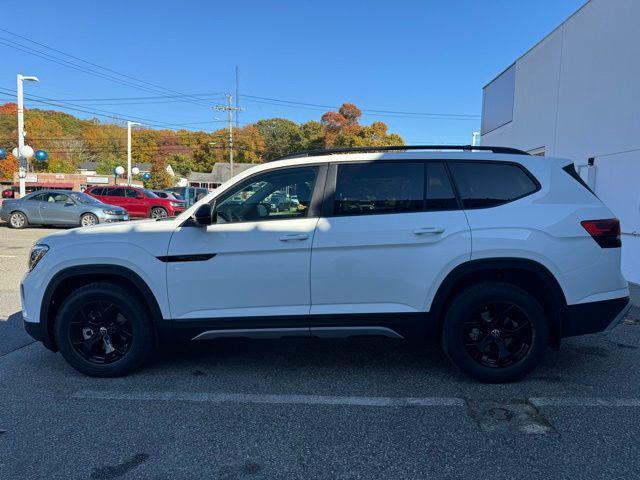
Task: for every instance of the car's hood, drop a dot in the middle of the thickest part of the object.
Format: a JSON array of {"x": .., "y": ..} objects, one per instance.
[{"x": 148, "y": 234}]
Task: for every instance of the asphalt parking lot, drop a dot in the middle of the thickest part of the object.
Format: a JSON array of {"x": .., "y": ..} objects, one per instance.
[{"x": 331, "y": 409}]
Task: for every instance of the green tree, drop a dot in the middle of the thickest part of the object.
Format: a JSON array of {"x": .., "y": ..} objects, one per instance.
[
  {"x": 312, "y": 135},
  {"x": 182, "y": 164},
  {"x": 281, "y": 136}
]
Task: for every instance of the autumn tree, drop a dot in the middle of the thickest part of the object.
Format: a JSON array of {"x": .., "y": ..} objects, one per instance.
[
  {"x": 8, "y": 167},
  {"x": 160, "y": 178}
]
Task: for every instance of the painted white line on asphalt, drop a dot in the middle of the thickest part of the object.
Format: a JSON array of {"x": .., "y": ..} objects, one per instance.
[
  {"x": 584, "y": 402},
  {"x": 274, "y": 399}
]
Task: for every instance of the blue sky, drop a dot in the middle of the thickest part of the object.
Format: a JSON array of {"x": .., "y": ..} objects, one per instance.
[{"x": 409, "y": 56}]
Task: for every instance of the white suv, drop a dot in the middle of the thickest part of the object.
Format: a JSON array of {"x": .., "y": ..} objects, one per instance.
[{"x": 499, "y": 253}]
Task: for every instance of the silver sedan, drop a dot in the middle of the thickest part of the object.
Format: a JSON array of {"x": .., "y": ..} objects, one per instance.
[{"x": 59, "y": 207}]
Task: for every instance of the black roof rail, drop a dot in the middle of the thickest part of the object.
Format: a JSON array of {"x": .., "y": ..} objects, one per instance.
[{"x": 400, "y": 148}]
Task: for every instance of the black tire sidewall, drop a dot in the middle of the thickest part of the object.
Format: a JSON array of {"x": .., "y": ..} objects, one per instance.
[
  {"x": 142, "y": 342},
  {"x": 472, "y": 298}
]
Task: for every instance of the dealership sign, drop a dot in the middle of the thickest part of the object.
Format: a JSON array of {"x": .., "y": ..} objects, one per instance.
[{"x": 95, "y": 180}]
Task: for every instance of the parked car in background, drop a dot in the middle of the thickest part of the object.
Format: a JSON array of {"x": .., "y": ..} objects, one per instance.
[
  {"x": 59, "y": 207},
  {"x": 169, "y": 195},
  {"x": 190, "y": 195},
  {"x": 8, "y": 193},
  {"x": 139, "y": 202}
]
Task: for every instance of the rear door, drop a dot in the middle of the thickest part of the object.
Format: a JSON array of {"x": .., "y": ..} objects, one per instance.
[{"x": 389, "y": 234}]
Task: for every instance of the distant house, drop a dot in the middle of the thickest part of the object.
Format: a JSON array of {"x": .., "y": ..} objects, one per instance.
[{"x": 220, "y": 173}]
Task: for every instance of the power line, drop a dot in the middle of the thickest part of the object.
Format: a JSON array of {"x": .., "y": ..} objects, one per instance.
[
  {"x": 369, "y": 111},
  {"x": 26, "y": 49}
]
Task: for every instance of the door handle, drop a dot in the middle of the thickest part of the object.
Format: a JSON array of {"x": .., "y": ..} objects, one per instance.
[
  {"x": 293, "y": 236},
  {"x": 429, "y": 231}
]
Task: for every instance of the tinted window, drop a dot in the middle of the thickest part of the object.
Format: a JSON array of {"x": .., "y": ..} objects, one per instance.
[
  {"x": 373, "y": 188},
  {"x": 130, "y": 192},
  {"x": 440, "y": 195},
  {"x": 115, "y": 192},
  {"x": 53, "y": 197},
  {"x": 97, "y": 191},
  {"x": 38, "y": 198},
  {"x": 488, "y": 184},
  {"x": 255, "y": 200}
]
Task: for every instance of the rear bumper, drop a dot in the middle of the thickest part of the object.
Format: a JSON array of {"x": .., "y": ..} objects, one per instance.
[{"x": 593, "y": 317}]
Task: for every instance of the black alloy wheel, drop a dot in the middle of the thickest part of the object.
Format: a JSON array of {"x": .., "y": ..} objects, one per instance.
[
  {"x": 100, "y": 332},
  {"x": 498, "y": 335}
]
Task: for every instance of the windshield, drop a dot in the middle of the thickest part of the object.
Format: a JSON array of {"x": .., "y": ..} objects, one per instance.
[
  {"x": 83, "y": 197},
  {"x": 150, "y": 194}
]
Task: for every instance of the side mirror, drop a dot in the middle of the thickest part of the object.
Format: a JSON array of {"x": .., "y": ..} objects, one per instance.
[
  {"x": 69, "y": 202},
  {"x": 139, "y": 195},
  {"x": 204, "y": 215}
]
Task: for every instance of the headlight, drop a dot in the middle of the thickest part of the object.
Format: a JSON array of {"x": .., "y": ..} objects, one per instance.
[
  {"x": 176, "y": 204},
  {"x": 37, "y": 252},
  {"x": 111, "y": 212}
]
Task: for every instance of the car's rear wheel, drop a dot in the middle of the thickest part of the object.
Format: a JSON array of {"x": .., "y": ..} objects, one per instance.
[
  {"x": 18, "y": 220},
  {"x": 159, "y": 212},
  {"x": 103, "y": 331},
  {"x": 495, "y": 332},
  {"x": 88, "y": 220}
]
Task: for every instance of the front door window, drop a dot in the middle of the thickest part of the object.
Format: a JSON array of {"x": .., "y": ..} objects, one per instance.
[{"x": 277, "y": 195}]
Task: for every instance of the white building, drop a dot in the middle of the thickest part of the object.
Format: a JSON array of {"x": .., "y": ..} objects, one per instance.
[{"x": 576, "y": 94}]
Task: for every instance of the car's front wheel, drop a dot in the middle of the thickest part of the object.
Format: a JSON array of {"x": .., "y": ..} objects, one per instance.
[
  {"x": 18, "y": 220},
  {"x": 495, "y": 332},
  {"x": 104, "y": 331},
  {"x": 158, "y": 212},
  {"x": 88, "y": 220}
]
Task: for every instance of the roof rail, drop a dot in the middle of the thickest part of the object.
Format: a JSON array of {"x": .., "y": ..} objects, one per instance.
[{"x": 400, "y": 148}]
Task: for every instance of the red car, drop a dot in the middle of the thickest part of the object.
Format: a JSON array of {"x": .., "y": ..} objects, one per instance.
[{"x": 139, "y": 202}]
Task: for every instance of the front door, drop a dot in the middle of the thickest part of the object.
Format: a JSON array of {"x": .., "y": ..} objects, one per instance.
[
  {"x": 253, "y": 261},
  {"x": 59, "y": 209},
  {"x": 389, "y": 232},
  {"x": 135, "y": 202}
]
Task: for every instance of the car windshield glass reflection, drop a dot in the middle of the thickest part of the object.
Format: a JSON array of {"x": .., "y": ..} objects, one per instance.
[{"x": 84, "y": 198}]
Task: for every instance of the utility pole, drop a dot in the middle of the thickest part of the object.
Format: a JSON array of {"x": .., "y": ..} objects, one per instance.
[
  {"x": 22, "y": 159},
  {"x": 129, "y": 124},
  {"x": 474, "y": 139},
  {"x": 237, "y": 95},
  {"x": 230, "y": 109}
]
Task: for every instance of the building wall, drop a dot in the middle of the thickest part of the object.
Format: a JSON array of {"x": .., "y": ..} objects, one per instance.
[{"x": 577, "y": 96}]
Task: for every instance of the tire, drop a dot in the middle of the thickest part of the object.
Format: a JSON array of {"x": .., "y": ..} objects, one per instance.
[
  {"x": 88, "y": 220},
  {"x": 18, "y": 220},
  {"x": 158, "y": 212},
  {"x": 127, "y": 330},
  {"x": 495, "y": 332}
]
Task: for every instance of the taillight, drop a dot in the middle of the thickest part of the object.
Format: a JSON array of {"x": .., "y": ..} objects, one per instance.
[{"x": 605, "y": 232}]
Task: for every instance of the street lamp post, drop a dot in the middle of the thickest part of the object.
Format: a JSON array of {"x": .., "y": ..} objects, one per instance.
[
  {"x": 21, "y": 158},
  {"x": 129, "y": 124}
]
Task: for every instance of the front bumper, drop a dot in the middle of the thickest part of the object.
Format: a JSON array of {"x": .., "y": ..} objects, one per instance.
[
  {"x": 593, "y": 317},
  {"x": 105, "y": 218}
]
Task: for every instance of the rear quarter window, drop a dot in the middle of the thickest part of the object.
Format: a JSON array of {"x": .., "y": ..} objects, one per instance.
[{"x": 485, "y": 184}]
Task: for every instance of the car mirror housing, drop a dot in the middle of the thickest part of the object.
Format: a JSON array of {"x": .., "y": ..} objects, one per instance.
[{"x": 204, "y": 215}]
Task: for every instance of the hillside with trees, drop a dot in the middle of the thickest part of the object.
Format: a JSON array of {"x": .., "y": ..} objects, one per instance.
[{"x": 70, "y": 141}]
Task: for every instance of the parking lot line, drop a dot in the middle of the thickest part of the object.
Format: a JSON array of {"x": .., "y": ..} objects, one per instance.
[
  {"x": 584, "y": 402},
  {"x": 274, "y": 399},
  {"x": 277, "y": 399}
]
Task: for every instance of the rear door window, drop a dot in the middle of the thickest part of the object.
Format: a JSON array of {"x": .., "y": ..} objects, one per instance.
[
  {"x": 377, "y": 188},
  {"x": 97, "y": 191},
  {"x": 485, "y": 184}
]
